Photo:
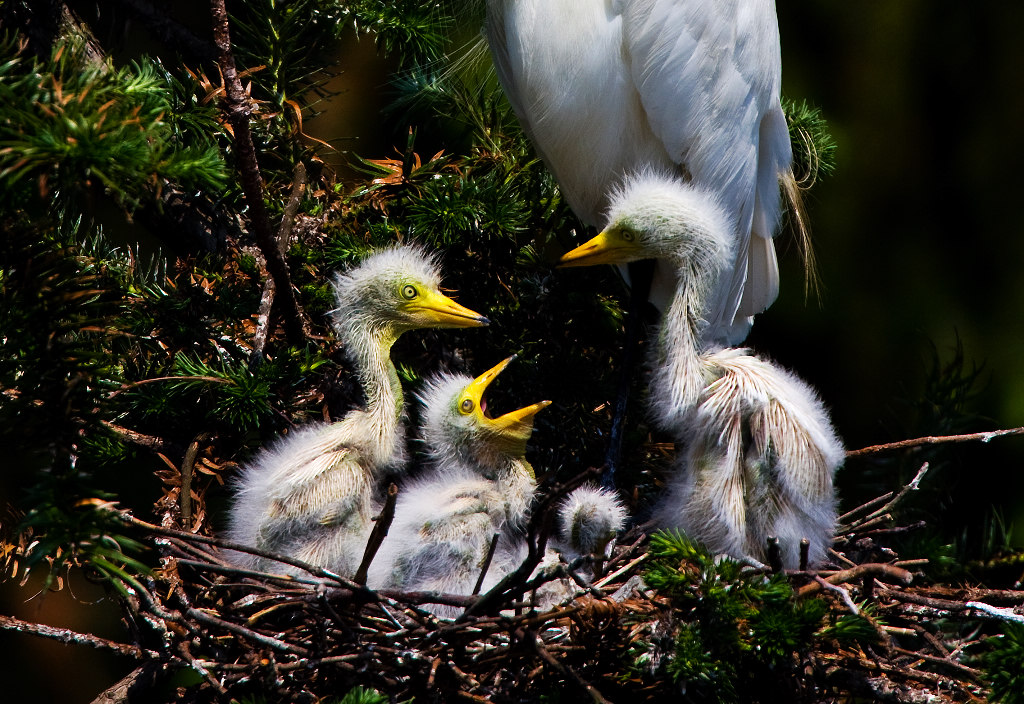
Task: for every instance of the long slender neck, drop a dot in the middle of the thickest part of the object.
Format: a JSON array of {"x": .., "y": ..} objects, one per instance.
[
  {"x": 678, "y": 377},
  {"x": 369, "y": 347}
]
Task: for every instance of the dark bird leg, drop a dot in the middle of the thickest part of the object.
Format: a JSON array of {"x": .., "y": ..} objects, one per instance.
[{"x": 640, "y": 275}]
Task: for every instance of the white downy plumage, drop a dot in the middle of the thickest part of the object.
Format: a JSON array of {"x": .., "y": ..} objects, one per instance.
[
  {"x": 759, "y": 451},
  {"x": 478, "y": 484},
  {"x": 605, "y": 88},
  {"x": 309, "y": 496}
]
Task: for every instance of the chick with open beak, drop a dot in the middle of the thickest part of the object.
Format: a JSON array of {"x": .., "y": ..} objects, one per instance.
[{"x": 478, "y": 484}]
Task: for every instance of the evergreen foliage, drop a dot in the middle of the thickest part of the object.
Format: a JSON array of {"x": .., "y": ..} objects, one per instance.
[
  {"x": 737, "y": 632},
  {"x": 1004, "y": 665},
  {"x": 71, "y": 123}
]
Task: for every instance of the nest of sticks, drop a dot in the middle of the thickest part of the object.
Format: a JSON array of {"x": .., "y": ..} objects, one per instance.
[{"x": 301, "y": 639}]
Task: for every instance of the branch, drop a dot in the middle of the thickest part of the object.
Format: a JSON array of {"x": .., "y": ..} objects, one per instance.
[
  {"x": 187, "y": 468},
  {"x": 284, "y": 234},
  {"x": 69, "y": 637},
  {"x": 893, "y": 574},
  {"x": 539, "y": 528},
  {"x": 892, "y": 503},
  {"x": 934, "y": 440},
  {"x": 237, "y": 109},
  {"x": 136, "y": 686},
  {"x": 487, "y": 563},
  {"x": 150, "y": 442},
  {"x": 380, "y": 531}
]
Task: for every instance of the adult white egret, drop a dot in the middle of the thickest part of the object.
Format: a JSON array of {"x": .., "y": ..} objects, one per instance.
[
  {"x": 309, "y": 496},
  {"x": 478, "y": 484},
  {"x": 605, "y": 88},
  {"x": 760, "y": 452}
]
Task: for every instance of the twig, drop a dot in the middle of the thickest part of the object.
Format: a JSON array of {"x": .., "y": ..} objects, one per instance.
[
  {"x": 538, "y": 645},
  {"x": 622, "y": 570},
  {"x": 934, "y": 440},
  {"x": 487, "y": 564},
  {"x": 187, "y": 467},
  {"x": 237, "y": 109},
  {"x": 843, "y": 594},
  {"x": 893, "y": 574},
  {"x": 239, "y": 547},
  {"x": 380, "y": 531},
  {"x": 242, "y": 572},
  {"x": 864, "y": 507},
  {"x": 1001, "y": 614},
  {"x": 69, "y": 637},
  {"x": 890, "y": 505},
  {"x": 150, "y": 442},
  {"x": 931, "y": 602},
  {"x": 538, "y": 529},
  {"x": 969, "y": 671},
  {"x": 248, "y": 633},
  {"x": 136, "y": 686},
  {"x": 284, "y": 234}
]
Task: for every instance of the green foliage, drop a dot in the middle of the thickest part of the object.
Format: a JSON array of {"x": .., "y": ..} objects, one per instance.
[
  {"x": 814, "y": 149},
  {"x": 735, "y": 627},
  {"x": 84, "y": 534},
  {"x": 231, "y": 391},
  {"x": 414, "y": 32},
  {"x": 356, "y": 695},
  {"x": 288, "y": 40},
  {"x": 362, "y": 695},
  {"x": 1004, "y": 665},
  {"x": 850, "y": 629},
  {"x": 69, "y": 123}
]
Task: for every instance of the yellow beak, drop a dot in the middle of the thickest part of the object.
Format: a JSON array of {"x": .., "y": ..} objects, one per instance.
[
  {"x": 439, "y": 311},
  {"x": 607, "y": 247},
  {"x": 516, "y": 424}
]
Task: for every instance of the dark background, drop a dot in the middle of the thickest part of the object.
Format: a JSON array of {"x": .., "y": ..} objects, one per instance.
[{"x": 918, "y": 237}]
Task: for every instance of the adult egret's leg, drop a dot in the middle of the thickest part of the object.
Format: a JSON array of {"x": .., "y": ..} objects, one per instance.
[{"x": 640, "y": 275}]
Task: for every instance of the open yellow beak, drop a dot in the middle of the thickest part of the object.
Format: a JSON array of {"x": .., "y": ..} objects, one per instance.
[
  {"x": 439, "y": 311},
  {"x": 607, "y": 247},
  {"x": 515, "y": 424}
]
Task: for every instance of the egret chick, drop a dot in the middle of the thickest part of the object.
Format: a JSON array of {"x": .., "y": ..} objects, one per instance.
[
  {"x": 760, "y": 452},
  {"x": 587, "y": 521},
  {"x": 478, "y": 484},
  {"x": 309, "y": 496}
]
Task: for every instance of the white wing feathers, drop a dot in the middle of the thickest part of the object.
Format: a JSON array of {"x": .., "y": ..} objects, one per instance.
[
  {"x": 709, "y": 76},
  {"x": 607, "y": 89}
]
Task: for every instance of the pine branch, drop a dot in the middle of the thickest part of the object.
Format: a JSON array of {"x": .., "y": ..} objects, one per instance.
[{"x": 236, "y": 107}]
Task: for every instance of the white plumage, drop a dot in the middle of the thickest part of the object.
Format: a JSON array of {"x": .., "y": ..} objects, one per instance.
[
  {"x": 587, "y": 521},
  {"x": 310, "y": 495},
  {"x": 605, "y": 88},
  {"x": 478, "y": 484},
  {"x": 760, "y": 452}
]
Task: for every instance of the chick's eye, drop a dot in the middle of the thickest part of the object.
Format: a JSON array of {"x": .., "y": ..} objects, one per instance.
[
  {"x": 409, "y": 292},
  {"x": 467, "y": 405}
]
